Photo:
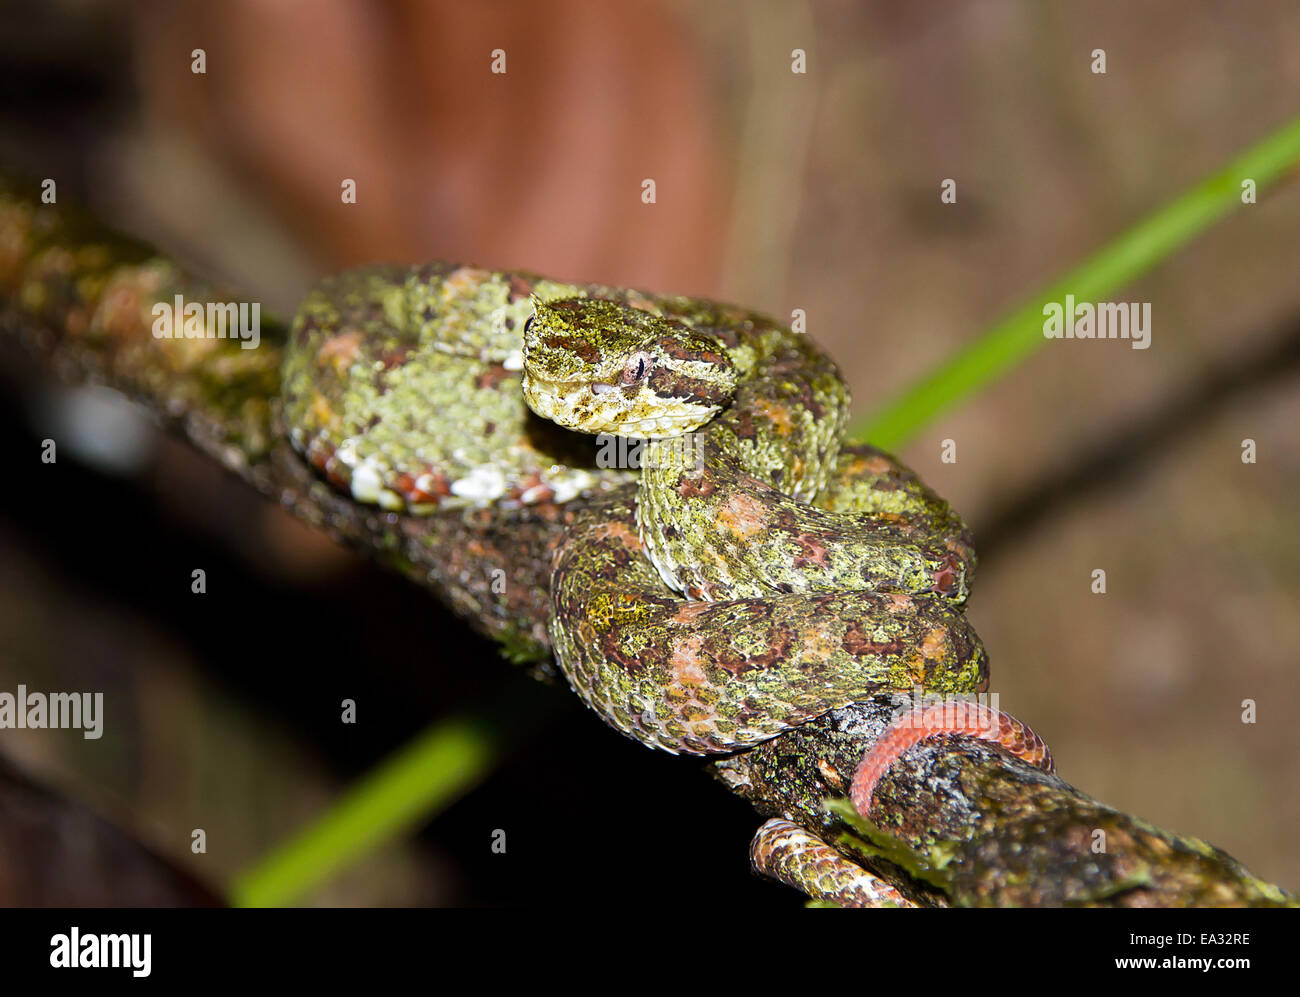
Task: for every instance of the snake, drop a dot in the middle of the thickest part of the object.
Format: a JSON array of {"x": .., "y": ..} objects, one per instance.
[{"x": 735, "y": 568}]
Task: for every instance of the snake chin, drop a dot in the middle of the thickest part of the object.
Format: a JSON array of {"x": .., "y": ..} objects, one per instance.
[{"x": 598, "y": 408}]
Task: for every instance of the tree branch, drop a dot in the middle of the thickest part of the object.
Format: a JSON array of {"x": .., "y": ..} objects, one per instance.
[{"x": 966, "y": 823}]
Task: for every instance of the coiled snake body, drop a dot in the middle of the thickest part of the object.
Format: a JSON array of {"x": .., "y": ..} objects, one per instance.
[{"x": 751, "y": 575}]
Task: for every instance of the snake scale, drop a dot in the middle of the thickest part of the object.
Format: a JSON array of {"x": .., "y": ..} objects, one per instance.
[{"x": 735, "y": 570}]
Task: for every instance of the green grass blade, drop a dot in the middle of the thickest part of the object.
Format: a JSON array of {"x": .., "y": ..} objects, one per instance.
[
  {"x": 1119, "y": 262},
  {"x": 420, "y": 779}
]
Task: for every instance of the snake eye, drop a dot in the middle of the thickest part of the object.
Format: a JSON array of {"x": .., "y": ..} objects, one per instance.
[
  {"x": 529, "y": 324},
  {"x": 638, "y": 366}
]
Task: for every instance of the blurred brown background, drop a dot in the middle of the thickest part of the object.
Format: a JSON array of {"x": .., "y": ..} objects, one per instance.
[{"x": 782, "y": 191}]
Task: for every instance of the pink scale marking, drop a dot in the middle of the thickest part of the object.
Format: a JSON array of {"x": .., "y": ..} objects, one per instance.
[{"x": 934, "y": 720}]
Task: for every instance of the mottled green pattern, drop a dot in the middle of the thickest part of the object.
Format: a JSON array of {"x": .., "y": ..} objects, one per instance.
[
  {"x": 791, "y": 609},
  {"x": 703, "y": 677},
  {"x": 403, "y": 386}
]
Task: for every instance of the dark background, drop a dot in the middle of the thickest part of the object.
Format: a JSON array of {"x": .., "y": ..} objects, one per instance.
[{"x": 781, "y": 191}]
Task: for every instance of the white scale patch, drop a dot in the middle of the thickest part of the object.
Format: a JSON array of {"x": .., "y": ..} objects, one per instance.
[
  {"x": 483, "y": 484},
  {"x": 346, "y": 453},
  {"x": 368, "y": 486},
  {"x": 573, "y": 485}
]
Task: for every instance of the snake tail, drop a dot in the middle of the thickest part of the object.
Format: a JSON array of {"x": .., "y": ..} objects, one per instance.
[
  {"x": 798, "y": 858},
  {"x": 938, "y": 719}
]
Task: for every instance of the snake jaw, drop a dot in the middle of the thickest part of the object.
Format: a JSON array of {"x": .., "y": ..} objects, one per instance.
[
  {"x": 603, "y": 367},
  {"x": 601, "y": 408}
]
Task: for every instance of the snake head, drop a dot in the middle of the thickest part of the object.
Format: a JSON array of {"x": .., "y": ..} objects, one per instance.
[{"x": 600, "y": 366}]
